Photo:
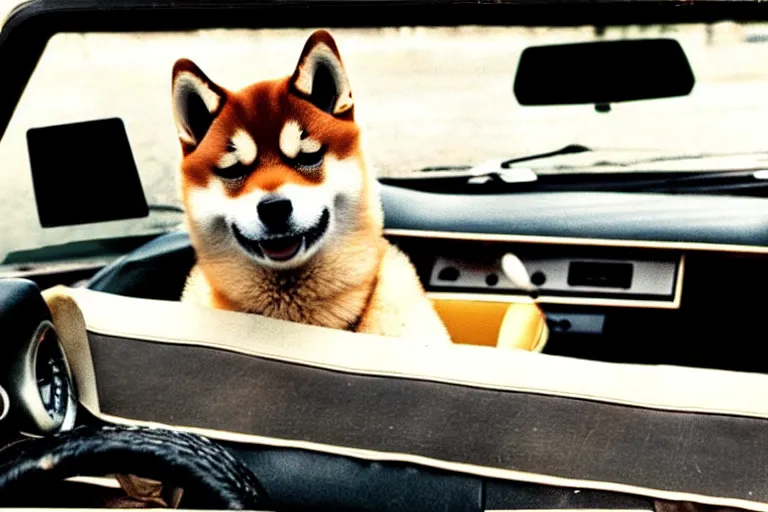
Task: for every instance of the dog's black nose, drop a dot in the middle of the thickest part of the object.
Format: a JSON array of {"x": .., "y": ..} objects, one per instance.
[{"x": 274, "y": 212}]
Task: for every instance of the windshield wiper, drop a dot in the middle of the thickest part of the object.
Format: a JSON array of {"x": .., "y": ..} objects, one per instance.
[
  {"x": 501, "y": 176},
  {"x": 567, "y": 150},
  {"x": 506, "y": 164}
]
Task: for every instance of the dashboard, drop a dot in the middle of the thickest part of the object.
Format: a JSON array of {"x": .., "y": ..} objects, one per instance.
[
  {"x": 622, "y": 277},
  {"x": 634, "y": 219},
  {"x": 566, "y": 275}
]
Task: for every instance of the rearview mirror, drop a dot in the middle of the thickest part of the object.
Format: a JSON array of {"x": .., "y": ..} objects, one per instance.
[{"x": 602, "y": 72}]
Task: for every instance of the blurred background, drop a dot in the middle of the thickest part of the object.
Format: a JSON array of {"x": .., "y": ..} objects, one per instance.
[{"x": 425, "y": 97}]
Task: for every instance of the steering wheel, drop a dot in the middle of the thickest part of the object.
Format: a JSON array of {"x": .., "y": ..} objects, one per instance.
[{"x": 211, "y": 478}]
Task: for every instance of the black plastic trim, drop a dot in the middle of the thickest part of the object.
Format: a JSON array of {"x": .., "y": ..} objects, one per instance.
[{"x": 673, "y": 218}]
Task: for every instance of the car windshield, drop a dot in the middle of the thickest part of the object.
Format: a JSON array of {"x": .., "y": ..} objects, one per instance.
[{"x": 425, "y": 97}]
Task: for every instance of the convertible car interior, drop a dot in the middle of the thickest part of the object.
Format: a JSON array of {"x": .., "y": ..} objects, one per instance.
[{"x": 622, "y": 368}]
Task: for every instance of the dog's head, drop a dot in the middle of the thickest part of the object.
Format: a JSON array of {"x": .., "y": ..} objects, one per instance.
[{"x": 273, "y": 171}]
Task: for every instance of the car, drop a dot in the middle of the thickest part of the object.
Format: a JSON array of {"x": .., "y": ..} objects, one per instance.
[{"x": 581, "y": 187}]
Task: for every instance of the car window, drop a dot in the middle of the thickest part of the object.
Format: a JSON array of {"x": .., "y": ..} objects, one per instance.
[{"x": 425, "y": 97}]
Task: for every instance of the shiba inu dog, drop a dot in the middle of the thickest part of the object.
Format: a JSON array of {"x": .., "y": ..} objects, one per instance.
[{"x": 282, "y": 211}]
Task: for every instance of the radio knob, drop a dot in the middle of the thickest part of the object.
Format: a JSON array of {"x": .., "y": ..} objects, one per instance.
[{"x": 538, "y": 278}]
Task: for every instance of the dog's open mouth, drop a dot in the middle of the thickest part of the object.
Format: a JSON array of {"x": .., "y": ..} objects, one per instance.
[{"x": 283, "y": 248}]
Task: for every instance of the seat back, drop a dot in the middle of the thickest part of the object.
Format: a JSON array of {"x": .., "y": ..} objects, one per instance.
[{"x": 156, "y": 270}]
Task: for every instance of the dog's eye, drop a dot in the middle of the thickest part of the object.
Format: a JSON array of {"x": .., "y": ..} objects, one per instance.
[
  {"x": 310, "y": 160},
  {"x": 233, "y": 172}
]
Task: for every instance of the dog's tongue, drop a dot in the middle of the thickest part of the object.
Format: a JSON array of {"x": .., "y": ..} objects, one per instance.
[{"x": 282, "y": 248}]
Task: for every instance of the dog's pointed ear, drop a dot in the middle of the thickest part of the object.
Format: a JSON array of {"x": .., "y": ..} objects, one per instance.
[
  {"x": 320, "y": 76},
  {"x": 196, "y": 101}
]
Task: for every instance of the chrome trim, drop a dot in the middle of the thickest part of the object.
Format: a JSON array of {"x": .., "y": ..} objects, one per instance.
[
  {"x": 565, "y": 240},
  {"x": 5, "y": 404},
  {"x": 511, "y": 297}
]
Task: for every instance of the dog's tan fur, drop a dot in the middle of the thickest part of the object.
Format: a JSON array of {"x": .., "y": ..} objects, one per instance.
[{"x": 356, "y": 280}]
